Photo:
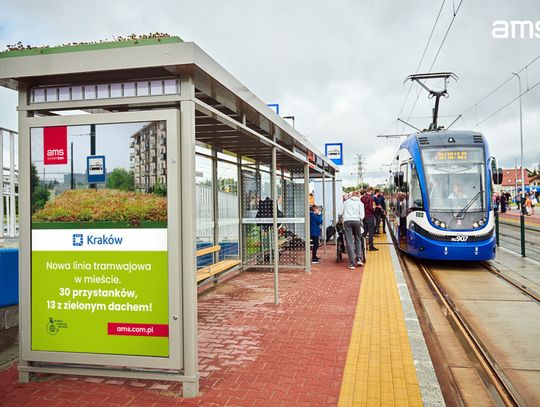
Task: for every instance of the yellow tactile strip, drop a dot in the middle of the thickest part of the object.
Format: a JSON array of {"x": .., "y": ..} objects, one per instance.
[{"x": 379, "y": 370}]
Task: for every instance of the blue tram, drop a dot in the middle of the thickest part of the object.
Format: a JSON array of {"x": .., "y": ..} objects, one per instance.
[{"x": 441, "y": 188}]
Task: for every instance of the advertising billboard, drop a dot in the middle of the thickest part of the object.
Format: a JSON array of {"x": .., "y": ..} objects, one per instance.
[{"x": 99, "y": 270}]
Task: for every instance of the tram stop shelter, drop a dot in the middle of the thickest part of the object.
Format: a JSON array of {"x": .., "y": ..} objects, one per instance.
[{"x": 146, "y": 169}]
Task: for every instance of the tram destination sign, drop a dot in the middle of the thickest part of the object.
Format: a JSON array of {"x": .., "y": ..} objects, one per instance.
[
  {"x": 452, "y": 155},
  {"x": 432, "y": 156}
]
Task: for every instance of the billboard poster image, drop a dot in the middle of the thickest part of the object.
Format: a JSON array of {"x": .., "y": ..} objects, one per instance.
[{"x": 99, "y": 276}]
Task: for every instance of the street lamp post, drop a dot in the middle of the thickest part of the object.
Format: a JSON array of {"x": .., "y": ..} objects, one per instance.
[{"x": 522, "y": 215}]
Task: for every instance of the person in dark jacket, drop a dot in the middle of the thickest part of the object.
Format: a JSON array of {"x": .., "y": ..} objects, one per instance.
[
  {"x": 369, "y": 216},
  {"x": 380, "y": 211},
  {"x": 315, "y": 222},
  {"x": 503, "y": 202}
]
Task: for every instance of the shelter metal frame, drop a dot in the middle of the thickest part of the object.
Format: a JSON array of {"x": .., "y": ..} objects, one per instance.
[{"x": 8, "y": 187}]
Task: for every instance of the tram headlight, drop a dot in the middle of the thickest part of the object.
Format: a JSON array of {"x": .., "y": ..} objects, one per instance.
[
  {"x": 480, "y": 223},
  {"x": 438, "y": 223}
]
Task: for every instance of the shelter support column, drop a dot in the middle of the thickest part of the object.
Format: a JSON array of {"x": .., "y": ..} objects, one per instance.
[
  {"x": 12, "y": 212},
  {"x": 334, "y": 207},
  {"x": 215, "y": 201},
  {"x": 1, "y": 183},
  {"x": 306, "y": 216},
  {"x": 240, "y": 197},
  {"x": 188, "y": 234},
  {"x": 24, "y": 244},
  {"x": 275, "y": 233},
  {"x": 323, "y": 234}
]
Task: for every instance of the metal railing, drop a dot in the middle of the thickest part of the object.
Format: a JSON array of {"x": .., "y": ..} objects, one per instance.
[
  {"x": 519, "y": 233},
  {"x": 9, "y": 185}
]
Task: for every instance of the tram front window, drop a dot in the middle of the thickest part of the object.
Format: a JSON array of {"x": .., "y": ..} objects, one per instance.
[{"x": 455, "y": 179}]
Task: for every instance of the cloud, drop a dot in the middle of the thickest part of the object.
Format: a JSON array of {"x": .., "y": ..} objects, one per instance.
[{"x": 338, "y": 67}]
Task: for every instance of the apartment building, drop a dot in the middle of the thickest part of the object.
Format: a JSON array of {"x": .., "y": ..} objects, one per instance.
[{"x": 149, "y": 156}]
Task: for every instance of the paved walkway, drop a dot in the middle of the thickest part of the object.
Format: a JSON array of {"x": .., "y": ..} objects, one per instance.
[
  {"x": 380, "y": 368},
  {"x": 252, "y": 353},
  {"x": 514, "y": 216}
]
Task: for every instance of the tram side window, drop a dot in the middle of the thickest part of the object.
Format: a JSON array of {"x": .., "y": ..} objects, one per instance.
[
  {"x": 415, "y": 193},
  {"x": 404, "y": 187}
]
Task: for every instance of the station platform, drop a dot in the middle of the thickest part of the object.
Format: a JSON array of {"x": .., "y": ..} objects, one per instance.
[
  {"x": 514, "y": 215},
  {"x": 339, "y": 337}
]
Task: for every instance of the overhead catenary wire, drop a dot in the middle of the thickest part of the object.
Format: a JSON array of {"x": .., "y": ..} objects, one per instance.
[
  {"x": 507, "y": 104},
  {"x": 446, "y": 35},
  {"x": 423, "y": 55},
  {"x": 454, "y": 14},
  {"x": 525, "y": 68}
]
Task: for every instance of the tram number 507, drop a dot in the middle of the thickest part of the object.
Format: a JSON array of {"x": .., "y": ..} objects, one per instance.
[{"x": 460, "y": 238}]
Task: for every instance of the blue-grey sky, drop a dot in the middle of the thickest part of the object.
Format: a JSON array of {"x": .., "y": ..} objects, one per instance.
[{"x": 338, "y": 66}]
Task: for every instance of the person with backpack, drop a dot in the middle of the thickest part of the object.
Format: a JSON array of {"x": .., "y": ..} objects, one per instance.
[{"x": 369, "y": 218}]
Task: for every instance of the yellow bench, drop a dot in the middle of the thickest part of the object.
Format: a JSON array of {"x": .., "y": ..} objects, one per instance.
[{"x": 216, "y": 268}]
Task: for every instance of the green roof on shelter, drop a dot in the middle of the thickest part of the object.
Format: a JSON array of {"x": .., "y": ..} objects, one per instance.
[{"x": 24, "y": 52}]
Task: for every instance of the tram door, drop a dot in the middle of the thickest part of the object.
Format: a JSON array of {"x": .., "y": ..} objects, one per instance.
[{"x": 402, "y": 204}]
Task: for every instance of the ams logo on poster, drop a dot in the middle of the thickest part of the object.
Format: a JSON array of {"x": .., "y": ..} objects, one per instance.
[
  {"x": 56, "y": 153},
  {"x": 55, "y": 145}
]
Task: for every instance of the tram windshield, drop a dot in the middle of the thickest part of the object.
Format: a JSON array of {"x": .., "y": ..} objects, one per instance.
[{"x": 455, "y": 179}]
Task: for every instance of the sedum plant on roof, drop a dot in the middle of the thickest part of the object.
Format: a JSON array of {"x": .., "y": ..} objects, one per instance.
[{"x": 104, "y": 205}]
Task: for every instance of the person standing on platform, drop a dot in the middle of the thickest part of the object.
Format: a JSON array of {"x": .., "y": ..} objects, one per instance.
[
  {"x": 380, "y": 211},
  {"x": 315, "y": 222},
  {"x": 508, "y": 201},
  {"x": 522, "y": 200},
  {"x": 353, "y": 215},
  {"x": 503, "y": 200},
  {"x": 369, "y": 217},
  {"x": 534, "y": 201}
]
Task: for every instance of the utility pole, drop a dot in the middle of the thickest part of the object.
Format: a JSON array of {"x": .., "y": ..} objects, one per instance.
[
  {"x": 92, "y": 146},
  {"x": 360, "y": 167},
  {"x": 522, "y": 195},
  {"x": 72, "y": 175}
]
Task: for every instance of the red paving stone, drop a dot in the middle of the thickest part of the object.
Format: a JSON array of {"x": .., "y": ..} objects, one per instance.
[{"x": 251, "y": 352}]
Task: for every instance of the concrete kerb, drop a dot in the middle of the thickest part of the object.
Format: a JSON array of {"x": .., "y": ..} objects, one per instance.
[{"x": 9, "y": 355}]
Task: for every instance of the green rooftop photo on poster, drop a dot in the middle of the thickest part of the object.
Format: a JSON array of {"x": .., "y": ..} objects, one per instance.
[{"x": 102, "y": 208}]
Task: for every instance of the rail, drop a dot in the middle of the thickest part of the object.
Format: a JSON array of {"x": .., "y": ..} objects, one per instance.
[
  {"x": 489, "y": 371},
  {"x": 524, "y": 289}
]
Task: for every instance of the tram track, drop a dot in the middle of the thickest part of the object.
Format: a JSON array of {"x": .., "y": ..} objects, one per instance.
[
  {"x": 491, "y": 374},
  {"x": 517, "y": 284},
  {"x": 496, "y": 358}
]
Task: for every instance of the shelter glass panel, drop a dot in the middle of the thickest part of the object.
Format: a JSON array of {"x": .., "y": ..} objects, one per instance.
[
  {"x": 253, "y": 231},
  {"x": 228, "y": 221},
  {"x": 292, "y": 231},
  {"x": 205, "y": 202}
]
